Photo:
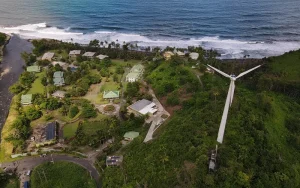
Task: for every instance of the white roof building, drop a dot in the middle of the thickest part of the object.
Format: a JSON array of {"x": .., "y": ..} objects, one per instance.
[
  {"x": 143, "y": 107},
  {"x": 48, "y": 56},
  {"x": 180, "y": 53},
  {"x": 74, "y": 52},
  {"x": 59, "y": 94},
  {"x": 89, "y": 54},
  {"x": 194, "y": 55},
  {"x": 102, "y": 56}
]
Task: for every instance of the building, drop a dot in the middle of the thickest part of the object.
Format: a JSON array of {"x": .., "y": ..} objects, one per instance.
[
  {"x": 59, "y": 94},
  {"x": 111, "y": 94},
  {"x": 89, "y": 54},
  {"x": 194, "y": 55},
  {"x": 101, "y": 57},
  {"x": 168, "y": 55},
  {"x": 58, "y": 78},
  {"x": 74, "y": 53},
  {"x": 73, "y": 67},
  {"x": 34, "y": 68},
  {"x": 26, "y": 99},
  {"x": 129, "y": 136},
  {"x": 114, "y": 160},
  {"x": 135, "y": 73},
  {"x": 50, "y": 131},
  {"x": 179, "y": 53},
  {"x": 142, "y": 107},
  {"x": 48, "y": 56}
]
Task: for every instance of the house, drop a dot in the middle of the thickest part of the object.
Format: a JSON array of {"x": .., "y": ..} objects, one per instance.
[
  {"x": 89, "y": 54},
  {"x": 194, "y": 55},
  {"x": 135, "y": 73},
  {"x": 74, "y": 53},
  {"x": 60, "y": 63},
  {"x": 129, "y": 136},
  {"x": 168, "y": 55},
  {"x": 142, "y": 107},
  {"x": 50, "y": 131},
  {"x": 101, "y": 57},
  {"x": 58, "y": 78},
  {"x": 34, "y": 68},
  {"x": 73, "y": 67},
  {"x": 48, "y": 56},
  {"x": 114, "y": 160},
  {"x": 111, "y": 94},
  {"x": 26, "y": 99},
  {"x": 180, "y": 53},
  {"x": 59, "y": 94}
]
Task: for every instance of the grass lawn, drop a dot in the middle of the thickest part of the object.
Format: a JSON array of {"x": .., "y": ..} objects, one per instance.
[
  {"x": 37, "y": 86},
  {"x": 70, "y": 130},
  {"x": 61, "y": 174},
  {"x": 6, "y": 147},
  {"x": 123, "y": 63},
  {"x": 110, "y": 85}
]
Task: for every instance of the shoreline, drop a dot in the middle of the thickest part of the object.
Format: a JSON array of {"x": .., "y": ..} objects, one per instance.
[{"x": 13, "y": 65}]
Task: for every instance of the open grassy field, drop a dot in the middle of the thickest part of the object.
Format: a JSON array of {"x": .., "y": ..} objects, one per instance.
[
  {"x": 110, "y": 85},
  {"x": 70, "y": 130},
  {"x": 123, "y": 63},
  {"x": 6, "y": 147},
  {"x": 61, "y": 174},
  {"x": 288, "y": 63},
  {"x": 37, "y": 86}
]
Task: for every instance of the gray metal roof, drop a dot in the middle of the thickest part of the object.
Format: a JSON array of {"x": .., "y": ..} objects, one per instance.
[
  {"x": 139, "y": 105},
  {"x": 50, "y": 131}
]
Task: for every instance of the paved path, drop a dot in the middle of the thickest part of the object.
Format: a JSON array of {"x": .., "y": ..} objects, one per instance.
[{"x": 26, "y": 164}]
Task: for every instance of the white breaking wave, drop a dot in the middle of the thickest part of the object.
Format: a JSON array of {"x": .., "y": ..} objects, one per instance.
[{"x": 228, "y": 48}]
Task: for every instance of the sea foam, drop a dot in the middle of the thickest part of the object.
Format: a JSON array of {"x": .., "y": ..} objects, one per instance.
[{"x": 228, "y": 48}]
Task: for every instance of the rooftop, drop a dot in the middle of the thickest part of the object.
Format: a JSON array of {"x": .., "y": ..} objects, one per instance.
[
  {"x": 111, "y": 94},
  {"x": 89, "y": 54},
  {"x": 131, "y": 135},
  {"x": 75, "y": 52},
  {"x": 137, "y": 68},
  {"x": 26, "y": 99},
  {"x": 33, "y": 69},
  {"x": 59, "y": 81},
  {"x": 48, "y": 55},
  {"x": 139, "y": 105},
  {"x": 59, "y": 63},
  {"x": 133, "y": 75},
  {"x": 50, "y": 131},
  {"x": 58, "y": 74},
  {"x": 194, "y": 55},
  {"x": 59, "y": 94},
  {"x": 102, "y": 56}
]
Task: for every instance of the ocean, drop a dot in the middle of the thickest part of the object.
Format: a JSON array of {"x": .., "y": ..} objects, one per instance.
[{"x": 235, "y": 28}]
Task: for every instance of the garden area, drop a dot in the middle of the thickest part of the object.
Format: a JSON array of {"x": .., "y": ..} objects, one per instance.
[{"x": 61, "y": 174}]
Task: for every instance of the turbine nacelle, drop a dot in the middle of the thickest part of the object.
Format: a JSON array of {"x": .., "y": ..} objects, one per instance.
[{"x": 229, "y": 99}]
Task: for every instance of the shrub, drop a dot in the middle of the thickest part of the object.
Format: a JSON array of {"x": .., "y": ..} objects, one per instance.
[
  {"x": 109, "y": 108},
  {"x": 73, "y": 111},
  {"x": 32, "y": 113}
]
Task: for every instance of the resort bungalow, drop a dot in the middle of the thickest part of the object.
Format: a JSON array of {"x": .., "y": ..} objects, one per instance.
[
  {"x": 74, "y": 53},
  {"x": 33, "y": 68},
  {"x": 59, "y": 94},
  {"x": 135, "y": 73},
  {"x": 168, "y": 55},
  {"x": 129, "y": 136},
  {"x": 26, "y": 99},
  {"x": 142, "y": 107},
  {"x": 48, "y": 56},
  {"x": 179, "y": 53},
  {"x": 89, "y": 54},
  {"x": 58, "y": 78},
  {"x": 101, "y": 57},
  {"x": 111, "y": 94},
  {"x": 114, "y": 160},
  {"x": 194, "y": 55}
]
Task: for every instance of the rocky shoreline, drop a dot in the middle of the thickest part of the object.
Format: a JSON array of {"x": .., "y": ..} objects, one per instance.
[{"x": 3, "y": 47}]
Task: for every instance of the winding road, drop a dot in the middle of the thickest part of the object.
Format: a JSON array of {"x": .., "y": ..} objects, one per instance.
[{"x": 23, "y": 165}]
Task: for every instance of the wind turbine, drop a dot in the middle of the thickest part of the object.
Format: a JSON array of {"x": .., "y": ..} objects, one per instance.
[{"x": 229, "y": 98}]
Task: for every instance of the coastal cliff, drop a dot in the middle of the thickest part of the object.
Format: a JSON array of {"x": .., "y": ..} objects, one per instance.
[{"x": 4, "y": 39}]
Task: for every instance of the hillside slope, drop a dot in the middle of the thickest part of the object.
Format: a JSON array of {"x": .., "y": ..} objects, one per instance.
[{"x": 261, "y": 143}]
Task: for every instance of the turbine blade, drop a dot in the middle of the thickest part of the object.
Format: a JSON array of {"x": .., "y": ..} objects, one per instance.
[
  {"x": 246, "y": 72},
  {"x": 223, "y": 73},
  {"x": 232, "y": 92},
  {"x": 224, "y": 116}
]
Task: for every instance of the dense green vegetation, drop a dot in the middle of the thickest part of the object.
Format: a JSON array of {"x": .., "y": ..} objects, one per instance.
[
  {"x": 61, "y": 174},
  {"x": 261, "y": 145},
  {"x": 2, "y": 39}
]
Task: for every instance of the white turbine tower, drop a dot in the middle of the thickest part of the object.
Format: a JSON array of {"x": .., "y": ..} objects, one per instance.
[{"x": 228, "y": 99}]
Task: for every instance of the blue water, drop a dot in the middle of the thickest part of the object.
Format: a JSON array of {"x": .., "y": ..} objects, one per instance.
[{"x": 231, "y": 26}]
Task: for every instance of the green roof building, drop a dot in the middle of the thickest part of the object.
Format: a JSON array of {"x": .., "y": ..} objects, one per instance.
[
  {"x": 33, "y": 68},
  {"x": 58, "y": 78},
  {"x": 111, "y": 94},
  {"x": 131, "y": 135},
  {"x": 26, "y": 99}
]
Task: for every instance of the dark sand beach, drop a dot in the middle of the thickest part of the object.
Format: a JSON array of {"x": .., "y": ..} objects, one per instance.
[{"x": 11, "y": 68}]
